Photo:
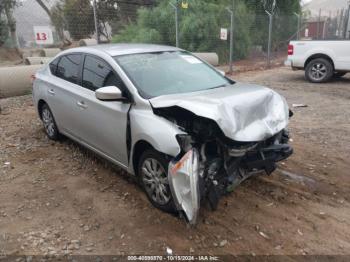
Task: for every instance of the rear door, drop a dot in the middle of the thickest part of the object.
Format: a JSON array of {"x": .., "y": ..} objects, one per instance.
[
  {"x": 102, "y": 124},
  {"x": 63, "y": 92}
]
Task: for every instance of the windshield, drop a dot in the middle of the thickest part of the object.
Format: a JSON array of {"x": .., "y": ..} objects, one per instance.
[{"x": 164, "y": 73}]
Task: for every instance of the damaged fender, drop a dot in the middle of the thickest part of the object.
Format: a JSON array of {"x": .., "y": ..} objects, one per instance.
[{"x": 157, "y": 131}]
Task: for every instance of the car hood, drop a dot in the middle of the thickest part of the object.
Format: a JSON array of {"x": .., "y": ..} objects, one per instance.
[{"x": 244, "y": 112}]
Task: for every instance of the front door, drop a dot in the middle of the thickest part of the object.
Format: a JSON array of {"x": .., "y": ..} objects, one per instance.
[{"x": 102, "y": 124}]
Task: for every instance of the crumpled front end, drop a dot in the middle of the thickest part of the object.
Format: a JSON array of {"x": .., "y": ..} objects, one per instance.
[
  {"x": 243, "y": 112},
  {"x": 217, "y": 154}
]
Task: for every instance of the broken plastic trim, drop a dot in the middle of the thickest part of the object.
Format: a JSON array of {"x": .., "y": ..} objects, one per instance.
[{"x": 183, "y": 176}]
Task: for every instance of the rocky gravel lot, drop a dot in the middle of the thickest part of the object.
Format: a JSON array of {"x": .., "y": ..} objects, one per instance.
[{"x": 58, "y": 198}]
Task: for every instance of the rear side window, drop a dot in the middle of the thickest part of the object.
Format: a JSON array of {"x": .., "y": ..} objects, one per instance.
[
  {"x": 53, "y": 65},
  {"x": 68, "y": 68},
  {"x": 97, "y": 74}
]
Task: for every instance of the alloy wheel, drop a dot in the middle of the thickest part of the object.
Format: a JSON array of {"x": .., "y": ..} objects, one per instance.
[
  {"x": 155, "y": 180},
  {"x": 318, "y": 71},
  {"x": 49, "y": 123}
]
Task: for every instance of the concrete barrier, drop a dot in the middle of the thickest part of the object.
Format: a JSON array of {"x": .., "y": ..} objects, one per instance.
[
  {"x": 87, "y": 42},
  {"x": 211, "y": 58},
  {"x": 40, "y": 52},
  {"x": 50, "y": 52},
  {"x": 37, "y": 60},
  {"x": 36, "y": 53},
  {"x": 16, "y": 80}
]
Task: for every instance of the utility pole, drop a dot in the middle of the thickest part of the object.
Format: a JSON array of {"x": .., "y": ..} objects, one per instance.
[
  {"x": 94, "y": 7},
  {"x": 231, "y": 11},
  {"x": 176, "y": 8}
]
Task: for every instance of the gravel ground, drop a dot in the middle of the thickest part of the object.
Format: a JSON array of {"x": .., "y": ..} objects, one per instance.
[{"x": 58, "y": 198}]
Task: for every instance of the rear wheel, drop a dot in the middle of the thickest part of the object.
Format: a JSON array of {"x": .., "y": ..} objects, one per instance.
[
  {"x": 153, "y": 175},
  {"x": 319, "y": 70},
  {"x": 49, "y": 123}
]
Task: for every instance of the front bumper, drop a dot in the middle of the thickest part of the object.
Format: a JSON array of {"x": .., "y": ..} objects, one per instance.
[
  {"x": 266, "y": 158},
  {"x": 192, "y": 180}
]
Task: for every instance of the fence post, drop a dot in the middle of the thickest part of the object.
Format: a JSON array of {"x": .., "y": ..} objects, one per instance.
[
  {"x": 94, "y": 7},
  {"x": 270, "y": 10},
  {"x": 319, "y": 24},
  {"x": 231, "y": 36},
  {"x": 270, "y": 40},
  {"x": 347, "y": 24},
  {"x": 176, "y": 7},
  {"x": 299, "y": 24}
]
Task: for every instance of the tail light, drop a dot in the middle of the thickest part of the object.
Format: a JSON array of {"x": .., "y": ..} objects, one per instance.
[{"x": 290, "y": 49}]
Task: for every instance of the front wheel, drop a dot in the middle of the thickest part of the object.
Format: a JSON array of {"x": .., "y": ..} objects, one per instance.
[
  {"x": 319, "y": 70},
  {"x": 153, "y": 175}
]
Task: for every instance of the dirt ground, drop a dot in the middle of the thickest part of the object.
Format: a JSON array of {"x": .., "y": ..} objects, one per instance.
[{"x": 57, "y": 198}]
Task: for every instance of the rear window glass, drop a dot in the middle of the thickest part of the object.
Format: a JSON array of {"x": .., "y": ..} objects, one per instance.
[
  {"x": 68, "y": 68},
  {"x": 53, "y": 65}
]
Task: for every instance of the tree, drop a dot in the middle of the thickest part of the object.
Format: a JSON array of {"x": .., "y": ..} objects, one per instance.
[
  {"x": 284, "y": 23},
  {"x": 74, "y": 15},
  {"x": 108, "y": 14},
  {"x": 79, "y": 17},
  {"x": 117, "y": 13},
  {"x": 6, "y": 9},
  {"x": 4, "y": 32},
  {"x": 58, "y": 21},
  {"x": 199, "y": 27},
  {"x": 56, "y": 17}
]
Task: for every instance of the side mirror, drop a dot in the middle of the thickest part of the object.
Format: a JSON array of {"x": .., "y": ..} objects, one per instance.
[{"x": 109, "y": 93}]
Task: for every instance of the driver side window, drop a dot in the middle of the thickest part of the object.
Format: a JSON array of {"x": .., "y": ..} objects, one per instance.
[{"x": 97, "y": 74}]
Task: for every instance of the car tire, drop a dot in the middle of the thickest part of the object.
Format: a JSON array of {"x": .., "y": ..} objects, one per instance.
[
  {"x": 153, "y": 176},
  {"x": 319, "y": 70},
  {"x": 339, "y": 74},
  {"x": 49, "y": 123}
]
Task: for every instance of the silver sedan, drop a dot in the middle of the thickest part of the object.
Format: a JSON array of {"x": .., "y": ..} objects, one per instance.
[{"x": 187, "y": 132}]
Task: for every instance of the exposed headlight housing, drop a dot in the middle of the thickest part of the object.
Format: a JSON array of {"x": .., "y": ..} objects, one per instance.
[{"x": 183, "y": 178}]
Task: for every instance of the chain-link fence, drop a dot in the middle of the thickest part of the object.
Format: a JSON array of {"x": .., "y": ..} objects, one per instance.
[
  {"x": 260, "y": 33},
  {"x": 327, "y": 25}
]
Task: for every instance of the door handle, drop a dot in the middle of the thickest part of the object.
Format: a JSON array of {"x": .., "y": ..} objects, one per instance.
[
  {"x": 81, "y": 104},
  {"x": 51, "y": 92}
]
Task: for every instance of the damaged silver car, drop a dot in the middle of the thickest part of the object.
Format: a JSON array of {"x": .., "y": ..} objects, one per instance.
[{"x": 188, "y": 133}]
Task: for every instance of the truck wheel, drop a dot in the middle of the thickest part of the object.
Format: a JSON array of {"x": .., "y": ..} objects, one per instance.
[
  {"x": 153, "y": 175},
  {"x": 339, "y": 74},
  {"x": 319, "y": 70}
]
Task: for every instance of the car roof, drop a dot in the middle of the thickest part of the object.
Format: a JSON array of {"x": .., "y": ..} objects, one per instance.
[{"x": 125, "y": 49}]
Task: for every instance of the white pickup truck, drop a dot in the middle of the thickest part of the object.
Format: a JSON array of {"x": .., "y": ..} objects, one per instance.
[{"x": 321, "y": 60}]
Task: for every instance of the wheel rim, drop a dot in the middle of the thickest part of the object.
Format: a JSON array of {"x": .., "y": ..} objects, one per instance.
[
  {"x": 49, "y": 124},
  {"x": 318, "y": 71},
  {"x": 155, "y": 180}
]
